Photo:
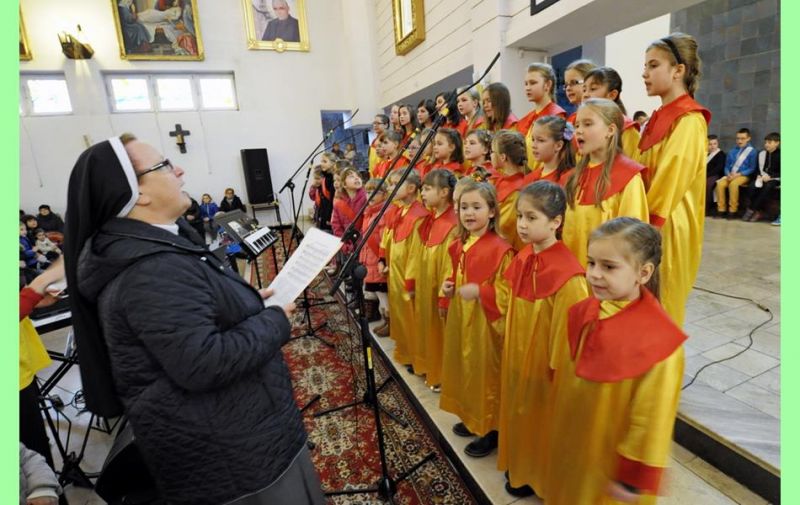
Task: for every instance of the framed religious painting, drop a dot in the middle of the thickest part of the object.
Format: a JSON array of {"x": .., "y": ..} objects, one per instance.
[
  {"x": 158, "y": 29},
  {"x": 409, "y": 24},
  {"x": 276, "y": 25},
  {"x": 24, "y": 48}
]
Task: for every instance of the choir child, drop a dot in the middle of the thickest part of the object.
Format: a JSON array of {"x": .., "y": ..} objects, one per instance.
[
  {"x": 606, "y": 183},
  {"x": 394, "y": 118},
  {"x": 391, "y": 149},
  {"x": 448, "y": 152},
  {"x": 452, "y": 117},
  {"x": 617, "y": 395},
  {"x": 379, "y": 125},
  {"x": 469, "y": 106},
  {"x": 375, "y": 281},
  {"x": 401, "y": 257},
  {"x": 552, "y": 147},
  {"x": 545, "y": 280},
  {"x": 327, "y": 164},
  {"x": 473, "y": 338},
  {"x": 351, "y": 199},
  {"x": 673, "y": 148},
  {"x": 496, "y": 102},
  {"x": 574, "y": 76},
  {"x": 509, "y": 160},
  {"x": 437, "y": 232},
  {"x": 605, "y": 82},
  {"x": 477, "y": 151},
  {"x": 540, "y": 86},
  {"x": 408, "y": 122},
  {"x": 426, "y": 110}
]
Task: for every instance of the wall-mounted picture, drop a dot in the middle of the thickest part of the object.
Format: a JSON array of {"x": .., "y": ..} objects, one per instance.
[
  {"x": 24, "y": 48},
  {"x": 276, "y": 25},
  {"x": 158, "y": 29},
  {"x": 409, "y": 24}
]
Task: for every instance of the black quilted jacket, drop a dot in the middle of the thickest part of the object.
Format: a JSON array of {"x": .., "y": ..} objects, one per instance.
[{"x": 197, "y": 363}]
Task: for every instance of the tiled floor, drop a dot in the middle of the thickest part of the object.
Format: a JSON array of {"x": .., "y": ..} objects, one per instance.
[{"x": 739, "y": 399}]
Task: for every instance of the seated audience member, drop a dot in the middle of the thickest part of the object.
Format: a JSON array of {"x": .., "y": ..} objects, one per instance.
[
  {"x": 46, "y": 246},
  {"x": 715, "y": 168},
  {"x": 31, "y": 225},
  {"x": 231, "y": 202},
  {"x": 27, "y": 252},
  {"x": 193, "y": 217},
  {"x": 640, "y": 117},
  {"x": 768, "y": 179},
  {"x": 38, "y": 484},
  {"x": 208, "y": 209},
  {"x": 48, "y": 220},
  {"x": 739, "y": 166}
]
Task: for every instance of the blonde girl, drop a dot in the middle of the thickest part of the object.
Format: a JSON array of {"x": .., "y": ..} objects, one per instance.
[
  {"x": 605, "y": 82},
  {"x": 540, "y": 89}
]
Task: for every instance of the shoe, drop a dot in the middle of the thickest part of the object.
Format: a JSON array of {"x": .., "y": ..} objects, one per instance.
[
  {"x": 462, "y": 431},
  {"x": 519, "y": 492},
  {"x": 777, "y": 222},
  {"x": 382, "y": 331},
  {"x": 437, "y": 388},
  {"x": 756, "y": 217},
  {"x": 410, "y": 369},
  {"x": 721, "y": 214},
  {"x": 483, "y": 446},
  {"x": 732, "y": 215},
  {"x": 748, "y": 215}
]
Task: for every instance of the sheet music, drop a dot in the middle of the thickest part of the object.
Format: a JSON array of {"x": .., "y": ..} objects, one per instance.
[{"x": 315, "y": 251}]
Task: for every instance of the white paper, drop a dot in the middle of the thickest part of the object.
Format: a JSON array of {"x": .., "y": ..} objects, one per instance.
[{"x": 307, "y": 261}]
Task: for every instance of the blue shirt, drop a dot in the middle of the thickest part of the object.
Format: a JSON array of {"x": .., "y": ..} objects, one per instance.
[{"x": 749, "y": 165}]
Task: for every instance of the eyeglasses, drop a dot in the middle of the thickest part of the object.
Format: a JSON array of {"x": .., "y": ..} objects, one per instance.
[
  {"x": 572, "y": 83},
  {"x": 164, "y": 164}
]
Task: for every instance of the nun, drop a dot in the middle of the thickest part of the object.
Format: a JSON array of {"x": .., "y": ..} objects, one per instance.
[{"x": 169, "y": 336}]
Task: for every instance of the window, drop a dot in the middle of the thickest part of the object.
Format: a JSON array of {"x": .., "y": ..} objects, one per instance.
[
  {"x": 45, "y": 95},
  {"x": 130, "y": 95},
  {"x": 163, "y": 92}
]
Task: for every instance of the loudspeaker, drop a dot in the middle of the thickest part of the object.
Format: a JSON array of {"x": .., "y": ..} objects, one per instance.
[{"x": 256, "y": 176}]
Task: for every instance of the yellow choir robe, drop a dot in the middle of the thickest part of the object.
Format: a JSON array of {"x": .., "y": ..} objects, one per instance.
[
  {"x": 473, "y": 335},
  {"x": 544, "y": 286},
  {"x": 508, "y": 187},
  {"x": 630, "y": 139},
  {"x": 437, "y": 232},
  {"x": 374, "y": 159},
  {"x": 673, "y": 148},
  {"x": 625, "y": 196},
  {"x": 402, "y": 254},
  {"x": 615, "y": 402},
  {"x": 525, "y": 127}
]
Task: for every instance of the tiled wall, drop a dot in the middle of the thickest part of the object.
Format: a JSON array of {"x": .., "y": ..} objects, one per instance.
[{"x": 740, "y": 48}]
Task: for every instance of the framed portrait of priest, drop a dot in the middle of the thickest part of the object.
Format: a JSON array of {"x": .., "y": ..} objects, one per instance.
[
  {"x": 158, "y": 29},
  {"x": 409, "y": 24},
  {"x": 276, "y": 25},
  {"x": 24, "y": 48}
]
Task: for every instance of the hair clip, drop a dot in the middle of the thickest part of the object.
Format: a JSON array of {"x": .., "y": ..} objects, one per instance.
[{"x": 569, "y": 132}]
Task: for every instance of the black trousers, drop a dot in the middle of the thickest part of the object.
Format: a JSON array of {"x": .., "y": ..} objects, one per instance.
[
  {"x": 32, "y": 430},
  {"x": 760, "y": 196}
]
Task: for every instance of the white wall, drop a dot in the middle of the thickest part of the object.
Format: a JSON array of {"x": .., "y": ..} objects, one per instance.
[
  {"x": 625, "y": 54},
  {"x": 280, "y": 97}
]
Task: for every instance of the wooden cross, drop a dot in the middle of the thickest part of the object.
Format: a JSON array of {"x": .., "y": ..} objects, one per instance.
[{"x": 180, "y": 133}]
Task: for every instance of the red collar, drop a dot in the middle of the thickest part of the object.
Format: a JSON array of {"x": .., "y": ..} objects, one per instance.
[
  {"x": 551, "y": 109},
  {"x": 625, "y": 345},
  {"x": 511, "y": 120},
  {"x": 660, "y": 123},
  {"x": 506, "y": 185},
  {"x": 630, "y": 123},
  {"x": 572, "y": 117},
  {"x": 534, "y": 276},
  {"x": 482, "y": 260},
  {"x": 453, "y": 166},
  {"x": 623, "y": 170},
  {"x": 405, "y": 222},
  {"x": 536, "y": 175},
  {"x": 435, "y": 229}
]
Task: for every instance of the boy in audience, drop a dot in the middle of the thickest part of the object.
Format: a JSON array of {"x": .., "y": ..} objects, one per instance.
[
  {"x": 715, "y": 168},
  {"x": 768, "y": 179},
  {"x": 739, "y": 166}
]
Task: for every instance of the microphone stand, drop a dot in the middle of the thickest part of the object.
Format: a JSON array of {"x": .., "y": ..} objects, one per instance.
[{"x": 386, "y": 487}]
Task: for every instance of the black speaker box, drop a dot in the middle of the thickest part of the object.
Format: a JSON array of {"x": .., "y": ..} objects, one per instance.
[{"x": 255, "y": 163}]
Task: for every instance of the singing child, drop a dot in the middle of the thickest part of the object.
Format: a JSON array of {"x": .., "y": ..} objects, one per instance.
[
  {"x": 403, "y": 250},
  {"x": 540, "y": 90},
  {"x": 673, "y": 147},
  {"x": 617, "y": 395},
  {"x": 437, "y": 232},
  {"x": 546, "y": 280},
  {"x": 552, "y": 148},
  {"x": 448, "y": 152},
  {"x": 606, "y": 183},
  {"x": 352, "y": 198},
  {"x": 473, "y": 337},
  {"x": 496, "y": 103},
  {"x": 390, "y": 147},
  {"x": 477, "y": 151},
  {"x": 605, "y": 82},
  {"x": 509, "y": 160}
]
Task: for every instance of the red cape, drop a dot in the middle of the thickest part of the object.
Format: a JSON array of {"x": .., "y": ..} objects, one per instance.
[
  {"x": 405, "y": 223},
  {"x": 625, "y": 345},
  {"x": 506, "y": 185},
  {"x": 534, "y": 276},
  {"x": 623, "y": 170},
  {"x": 551, "y": 109},
  {"x": 436, "y": 229},
  {"x": 660, "y": 123}
]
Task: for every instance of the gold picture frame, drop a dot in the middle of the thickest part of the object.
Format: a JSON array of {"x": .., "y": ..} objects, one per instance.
[
  {"x": 409, "y": 24},
  {"x": 24, "y": 48},
  {"x": 158, "y": 30},
  {"x": 262, "y": 20}
]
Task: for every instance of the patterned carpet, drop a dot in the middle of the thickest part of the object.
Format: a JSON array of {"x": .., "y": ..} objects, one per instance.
[{"x": 346, "y": 453}]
